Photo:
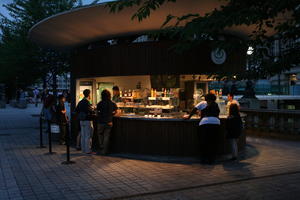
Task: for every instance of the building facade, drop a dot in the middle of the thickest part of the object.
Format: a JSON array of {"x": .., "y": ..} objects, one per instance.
[{"x": 63, "y": 82}]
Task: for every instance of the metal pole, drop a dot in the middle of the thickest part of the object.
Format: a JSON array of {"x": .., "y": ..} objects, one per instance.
[
  {"x": 68, "y": 161},
  {"x": 41, "y": 133},
  {"x": 49, "y": 139}
]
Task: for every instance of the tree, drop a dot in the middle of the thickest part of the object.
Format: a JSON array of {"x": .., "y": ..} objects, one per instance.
[
  {"x": 22, "y": 63},
  {"x": 192, "y": 29}
]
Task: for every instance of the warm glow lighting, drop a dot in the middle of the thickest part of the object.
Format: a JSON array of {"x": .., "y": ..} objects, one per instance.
[
  {"x": 250, "y": 51},
  {"x": 294, "y": 77}
]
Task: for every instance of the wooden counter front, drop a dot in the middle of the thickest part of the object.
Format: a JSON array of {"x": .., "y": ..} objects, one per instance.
[{"x": 158, "y": 136}]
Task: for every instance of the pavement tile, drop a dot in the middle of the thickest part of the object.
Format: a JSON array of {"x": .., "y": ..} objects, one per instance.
[{"x": 269, "y": 169}]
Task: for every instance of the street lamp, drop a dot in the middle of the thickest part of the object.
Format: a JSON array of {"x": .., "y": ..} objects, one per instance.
[{"x": 250, "y": 51}]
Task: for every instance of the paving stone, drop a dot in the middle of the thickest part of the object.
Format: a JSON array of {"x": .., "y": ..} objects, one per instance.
[{"x": 269, "y": 169}]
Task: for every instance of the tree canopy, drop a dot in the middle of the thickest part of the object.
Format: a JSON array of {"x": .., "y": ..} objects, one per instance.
[
  {"x": 22, "y": 62},
  {"x": 193, "y": 28}
]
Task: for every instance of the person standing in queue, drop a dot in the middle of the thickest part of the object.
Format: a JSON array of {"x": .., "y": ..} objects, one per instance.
[
  {"x": 85, "y": 115},
  {"x": 36, "y": 93},
  {"x": 62, "y": 119},
  {"x": 234, "y": 126},
  {"x": 208, "y": 127},
  {"x": 49, "y": 111},
  {"x": 44, "y": 95},
  {"x": 116, "y": 95},
  {"x": 106, "y": 109}
]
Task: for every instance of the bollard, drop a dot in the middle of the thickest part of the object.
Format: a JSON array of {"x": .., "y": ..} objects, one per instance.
[
  {"x": 41, "y": 133},
  {"x": 49, "y": 139},
  {"x": 67, "y": 139}
]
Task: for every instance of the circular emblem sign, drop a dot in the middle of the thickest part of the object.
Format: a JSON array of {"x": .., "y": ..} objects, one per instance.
[{"x": 218, "y": 56}]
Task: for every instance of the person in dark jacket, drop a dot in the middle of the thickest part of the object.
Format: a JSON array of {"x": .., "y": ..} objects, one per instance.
[
  {"x": 106, "y": 109},
  {"x": 62, "y": 118},
  {"x": 208, "y": 127},
  {"x": 49, "y": 111},
  {"x": 234, "y": 126},
  {"x": 85, "y": 112}
]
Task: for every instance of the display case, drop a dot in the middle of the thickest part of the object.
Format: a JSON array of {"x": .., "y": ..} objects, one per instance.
[
  {"x": 151, "y": 114},
  {"x": 149, "y": 102},
  {"x": 152, "y": 96}
]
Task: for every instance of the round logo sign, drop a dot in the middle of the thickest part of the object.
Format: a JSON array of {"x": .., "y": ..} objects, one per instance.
[{"x": 218, "y": 56}]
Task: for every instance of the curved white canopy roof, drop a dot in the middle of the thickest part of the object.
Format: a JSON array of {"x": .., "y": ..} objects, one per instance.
[{"x": 89, "y": 24}]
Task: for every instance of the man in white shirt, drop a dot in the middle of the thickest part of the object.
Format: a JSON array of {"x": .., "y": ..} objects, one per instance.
[{"x": 207, "y": 119}]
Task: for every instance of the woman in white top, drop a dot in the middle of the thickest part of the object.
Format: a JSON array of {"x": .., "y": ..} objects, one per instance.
[{"x": 209, "y": 127}]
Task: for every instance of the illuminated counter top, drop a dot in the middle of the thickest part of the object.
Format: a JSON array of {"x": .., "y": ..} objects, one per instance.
[{"x": 163, "y": 118}]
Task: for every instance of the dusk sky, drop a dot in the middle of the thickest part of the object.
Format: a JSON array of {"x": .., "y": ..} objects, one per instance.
[{"x": 4, "y": 11}]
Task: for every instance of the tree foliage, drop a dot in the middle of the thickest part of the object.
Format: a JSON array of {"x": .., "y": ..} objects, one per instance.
[
  {"x": 21, "y": 61},
  {"x": 193, "y": 28}
]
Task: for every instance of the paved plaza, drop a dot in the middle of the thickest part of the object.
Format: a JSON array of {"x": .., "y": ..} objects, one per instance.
[{"x": 268, "y": 169}]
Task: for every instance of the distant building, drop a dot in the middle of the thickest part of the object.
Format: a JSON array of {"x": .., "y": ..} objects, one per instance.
[
  {"x": 285, "y": 83},
  {"x": 288, "y": 82},
  {"x": 63, "y": 82}
]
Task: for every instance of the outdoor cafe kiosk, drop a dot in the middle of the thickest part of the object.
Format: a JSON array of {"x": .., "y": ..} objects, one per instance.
[{"x": 157, "y": 85}]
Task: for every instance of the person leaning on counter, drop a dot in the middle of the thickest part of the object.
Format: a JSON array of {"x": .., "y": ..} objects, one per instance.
[
  {"x": 208, "y": 127},
  {"x": 106, "y": 109}
]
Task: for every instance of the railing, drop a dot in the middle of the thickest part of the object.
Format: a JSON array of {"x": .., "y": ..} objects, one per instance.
[{"x": 283, "y": 122}]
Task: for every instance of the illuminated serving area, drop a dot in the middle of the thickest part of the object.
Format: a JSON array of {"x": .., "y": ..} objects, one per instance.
[
  {"x": 152, "y": 109},
  {"x": 151, "y": 96}
]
